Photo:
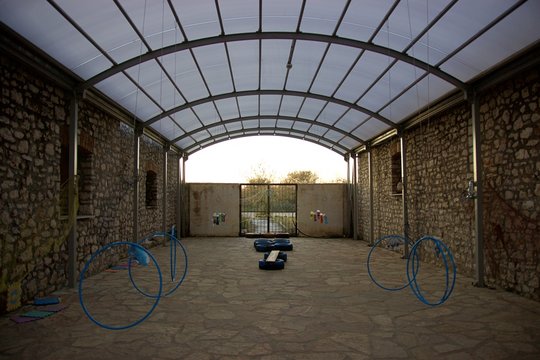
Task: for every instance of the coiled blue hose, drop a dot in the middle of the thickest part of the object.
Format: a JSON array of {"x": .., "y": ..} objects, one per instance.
[
  {"x": 157, "y": 296},
  {"x": 413, "y": 267}
]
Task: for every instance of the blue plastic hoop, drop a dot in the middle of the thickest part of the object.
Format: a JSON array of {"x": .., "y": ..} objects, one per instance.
[
  {"x": 81, "y": 279},
  {"x": 370, "y": 273},
  {"x": 173, "y": 244}
]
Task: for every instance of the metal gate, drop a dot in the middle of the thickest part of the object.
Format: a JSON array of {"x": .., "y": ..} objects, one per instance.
[{"x": 268, "y": 208}]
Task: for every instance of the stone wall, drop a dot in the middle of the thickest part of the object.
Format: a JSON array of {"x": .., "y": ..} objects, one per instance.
[
  {"x": 34, "y": 123},
  {"x": 439, "y": 165}
]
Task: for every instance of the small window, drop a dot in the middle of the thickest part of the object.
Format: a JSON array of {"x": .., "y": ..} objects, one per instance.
[
  {"x": 85, "y": 181},
  {"x": 151, "y": 189},
  {"x": 397, "y": 186}
]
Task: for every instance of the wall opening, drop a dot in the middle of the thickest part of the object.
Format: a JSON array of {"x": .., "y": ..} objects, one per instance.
[{"x": 151, "y": 189}]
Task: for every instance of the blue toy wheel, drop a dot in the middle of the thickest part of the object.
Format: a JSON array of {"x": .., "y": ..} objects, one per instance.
[
  {"x": 283, "y": 246},
  {"x": 85, "y": 269},
  {"x": 277, "y": 265}
]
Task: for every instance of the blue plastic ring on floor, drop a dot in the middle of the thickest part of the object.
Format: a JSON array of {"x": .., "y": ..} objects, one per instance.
[{"x": 85, "y": 269}]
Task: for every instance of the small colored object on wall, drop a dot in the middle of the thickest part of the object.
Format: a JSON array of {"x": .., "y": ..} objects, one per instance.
[
  {"x": 218, "y": 218},
  {"x": 318, "y": 216}
]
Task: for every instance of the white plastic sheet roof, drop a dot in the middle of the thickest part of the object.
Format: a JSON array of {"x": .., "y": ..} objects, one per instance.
[{"x": 337, "y": 73}]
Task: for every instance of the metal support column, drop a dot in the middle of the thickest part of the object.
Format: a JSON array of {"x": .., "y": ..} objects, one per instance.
[
  {"x": 166, "y": 149},
  {"x": 73, "y": 189},
  {"x": 138, "y": 131},
  {"x": 179, "y": 198},
  {"x": 355, "y": 196},
  {"x": 371, "y": 215},
  {"x": 478, "y": 201},
  {"x": 403, "y": 150},
  {"x": 347, "y": 224}
]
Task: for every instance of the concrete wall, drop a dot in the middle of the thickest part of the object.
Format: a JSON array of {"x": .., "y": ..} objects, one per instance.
[
  {"x": 330, "y": 200},
  {"x": 207, "y": 199},
  {"x": 439, "y": 155}
]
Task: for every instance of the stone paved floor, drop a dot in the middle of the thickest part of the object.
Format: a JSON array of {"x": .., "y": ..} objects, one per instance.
[{"x": 322, "y": 306}]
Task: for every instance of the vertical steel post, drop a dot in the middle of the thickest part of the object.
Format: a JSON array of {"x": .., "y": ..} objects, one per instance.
[
  {"x": 371, "y": 215},
  {"x": 138, "y": 131},
  {"x": 73, "y": 189},
  {"x": 166, "y": 149},
  {"x": 179, "y": 198},
  {"x": 403, "y": 146},
  {"x": 349, "y": 219},
  {"x": 478, "y": 201},
  {"x": 355, "y": 196}
]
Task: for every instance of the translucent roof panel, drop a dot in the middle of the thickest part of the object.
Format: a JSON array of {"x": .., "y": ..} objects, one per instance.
[
  {"x": 207, "y": 113},
  {"x": 214, "y": 66},
  {"x": 331, "y": 113},
  {"x": 154, "y": 20},
  {"x": 306, "y": 58},
  {"x": 183, "y": 69},
  {"x": 199, "y": 18},
  {"x": 270, "y": 104},
  {"x": 249, "y": 105},
  {"x": 228, "y": 108},
  {"x": 498, "y": 47},
  {"x": 244, "y": 57},
  {"x": 220, "y": 68},
  {"x": 320, "y": 16},
  {"x": 363, "y": 18},
  {"x": 280, "y": 15},
  {"x": 239, "y": 16},
  {"x": 275, "y": 54},
  {"x": 187, "y": 120},
  {"x": 312, "y": 108},
  {"x": 290, "y": 105},
  {"x": 33, "y": 19},
  {"x": 336, "y": 64}
]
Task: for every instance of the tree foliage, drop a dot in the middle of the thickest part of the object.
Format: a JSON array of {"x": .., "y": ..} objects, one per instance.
[
  {"x": 301, "y": 177},
  {"x": 261, "y": 176}
]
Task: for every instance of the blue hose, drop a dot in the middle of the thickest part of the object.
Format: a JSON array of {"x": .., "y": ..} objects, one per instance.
[{"x": 157, "y": 297}]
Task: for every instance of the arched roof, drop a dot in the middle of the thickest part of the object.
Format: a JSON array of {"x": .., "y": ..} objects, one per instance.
[{"x": 337, "y": 73}]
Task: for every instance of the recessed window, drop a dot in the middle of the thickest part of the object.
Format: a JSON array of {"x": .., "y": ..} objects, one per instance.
[
  {"x": 151, "y": 188},
  {"x": 397, "y": 186}
]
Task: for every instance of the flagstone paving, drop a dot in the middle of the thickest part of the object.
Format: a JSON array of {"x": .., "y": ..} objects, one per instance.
[{"x": 323, "y": 305}]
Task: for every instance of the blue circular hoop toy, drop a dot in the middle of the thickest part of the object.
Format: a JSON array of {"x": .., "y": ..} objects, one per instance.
[
  {"x": 444, "y": 252},
  {"x": 173, "y": 245},
  {"x": 398, "y": 239},
  {"x": 157, "y": 297}
]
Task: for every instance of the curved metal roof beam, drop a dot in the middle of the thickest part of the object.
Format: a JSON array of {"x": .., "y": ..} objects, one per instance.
[
  {"x": 256, "y": 132},
  {"x": 270, "y": 92},
  {"x": 270, "y": 117},
  {"x": 274, "y": 36}
]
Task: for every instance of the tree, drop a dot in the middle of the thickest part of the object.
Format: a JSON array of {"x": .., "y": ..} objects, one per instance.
[
  {"x": 301, "y": 177},
  {"x": 260, "y": 176}
]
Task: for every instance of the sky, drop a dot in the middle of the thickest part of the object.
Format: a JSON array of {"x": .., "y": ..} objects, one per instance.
[{"x": 235, "y": 161}]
